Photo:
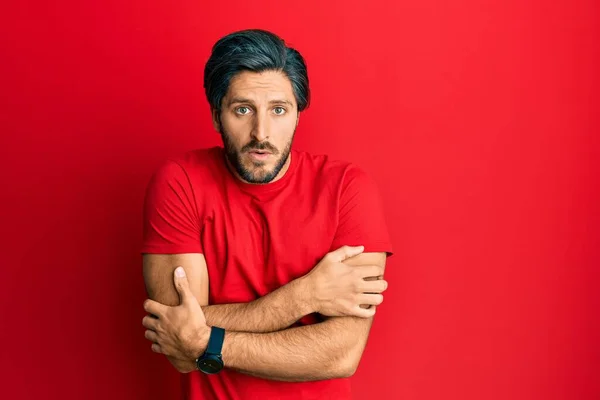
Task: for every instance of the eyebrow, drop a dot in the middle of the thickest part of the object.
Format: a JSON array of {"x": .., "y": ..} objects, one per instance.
[{"x": 243, "y": 100}]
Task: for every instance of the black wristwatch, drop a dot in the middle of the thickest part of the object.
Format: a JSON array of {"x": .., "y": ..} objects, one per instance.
[{"x": 211, "y": 362}]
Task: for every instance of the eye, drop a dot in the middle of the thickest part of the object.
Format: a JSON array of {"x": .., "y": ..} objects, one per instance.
[
  {"x": 279, "y": 110},
  {"x": 242, "y": 110}
]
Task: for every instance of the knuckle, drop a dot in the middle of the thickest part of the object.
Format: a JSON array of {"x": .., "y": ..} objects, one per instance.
[
  {"x": 347, "y": 307},
  {"x": 367, "y": 312}
]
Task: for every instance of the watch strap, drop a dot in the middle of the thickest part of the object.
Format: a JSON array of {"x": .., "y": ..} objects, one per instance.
[{"x": 215, "y": 342}]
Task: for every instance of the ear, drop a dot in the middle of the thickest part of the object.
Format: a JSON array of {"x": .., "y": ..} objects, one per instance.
[
  {"x": 216, "y": 119},
  {"x": 297, "y": 119}
]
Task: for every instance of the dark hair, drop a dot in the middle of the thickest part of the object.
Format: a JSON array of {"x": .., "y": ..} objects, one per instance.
[{"x": 253, "y": 50}]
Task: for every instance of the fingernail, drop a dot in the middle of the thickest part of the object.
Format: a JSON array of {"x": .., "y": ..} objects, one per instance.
[{"x": 180, "y": 272}]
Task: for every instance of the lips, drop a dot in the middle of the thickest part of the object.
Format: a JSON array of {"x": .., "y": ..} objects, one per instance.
[
  {"x": 260, "y": 151},
  {"x": 259, "y": 155}
]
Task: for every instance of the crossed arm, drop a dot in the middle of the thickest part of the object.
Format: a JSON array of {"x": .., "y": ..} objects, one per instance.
[{"x": 257, "y": 341}]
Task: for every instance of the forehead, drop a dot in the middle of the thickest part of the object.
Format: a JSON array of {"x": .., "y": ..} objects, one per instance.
[{"x": 266, "y": 85}]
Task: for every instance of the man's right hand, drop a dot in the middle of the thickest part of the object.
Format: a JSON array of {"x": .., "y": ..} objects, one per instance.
[{"x": 337, "y": 289}]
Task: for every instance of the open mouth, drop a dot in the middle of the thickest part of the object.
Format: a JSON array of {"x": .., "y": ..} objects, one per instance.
[{"x": 259, "y": 154}]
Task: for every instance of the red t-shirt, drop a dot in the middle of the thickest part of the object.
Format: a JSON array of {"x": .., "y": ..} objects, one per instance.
[{"x": 256, "y": 238}]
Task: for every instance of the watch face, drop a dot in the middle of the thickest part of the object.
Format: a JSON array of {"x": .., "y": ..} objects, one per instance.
[{"x": 210, "y": 365}]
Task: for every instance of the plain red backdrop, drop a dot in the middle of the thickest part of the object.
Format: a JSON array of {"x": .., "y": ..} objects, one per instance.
[{"x": 479, "y": 120}]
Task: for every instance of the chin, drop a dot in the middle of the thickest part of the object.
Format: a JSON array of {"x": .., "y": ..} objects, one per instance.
[
  {"x": 253, "y": 172},
  {"x": 260, "y": 175}
]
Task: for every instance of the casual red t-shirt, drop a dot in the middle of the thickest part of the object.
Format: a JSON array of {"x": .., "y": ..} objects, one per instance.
[{"x": 256, "y": 238}]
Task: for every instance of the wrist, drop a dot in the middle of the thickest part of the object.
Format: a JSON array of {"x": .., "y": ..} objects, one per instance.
[
  {"x": 303, "y": 293},
  {"x": 201, "y": 342}
]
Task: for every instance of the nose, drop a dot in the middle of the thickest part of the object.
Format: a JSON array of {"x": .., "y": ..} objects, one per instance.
[{"x": 260, "y": 130}]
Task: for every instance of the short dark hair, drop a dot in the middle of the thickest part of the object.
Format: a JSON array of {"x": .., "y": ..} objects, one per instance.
[{"x": 253, "y": 50}]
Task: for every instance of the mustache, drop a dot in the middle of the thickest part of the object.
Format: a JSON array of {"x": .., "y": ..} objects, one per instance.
[{"x": 254, "y": 145}]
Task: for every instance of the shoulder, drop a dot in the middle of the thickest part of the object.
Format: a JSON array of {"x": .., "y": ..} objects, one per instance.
[
  {"x": 341, "y": 173},
  {"x": 325, "y": 164},
  {"x": 191, "y": 166}
]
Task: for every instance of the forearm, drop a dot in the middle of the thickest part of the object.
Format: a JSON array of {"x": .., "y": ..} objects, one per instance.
[
  {"x": 273, "y": 312},
  {"x": 327, "y": 350}
]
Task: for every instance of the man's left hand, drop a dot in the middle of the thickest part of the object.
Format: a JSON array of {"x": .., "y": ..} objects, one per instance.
[{"x": 179, "y": 332}]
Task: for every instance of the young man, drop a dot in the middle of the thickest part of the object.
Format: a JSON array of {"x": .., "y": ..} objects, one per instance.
[{"x": 281, "y": 252}]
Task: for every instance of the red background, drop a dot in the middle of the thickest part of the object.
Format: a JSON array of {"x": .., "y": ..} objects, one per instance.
[{"x": 479, "y": 120}]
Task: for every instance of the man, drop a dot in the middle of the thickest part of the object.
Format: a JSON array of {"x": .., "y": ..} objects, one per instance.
[{"x": 281, "y": 252}]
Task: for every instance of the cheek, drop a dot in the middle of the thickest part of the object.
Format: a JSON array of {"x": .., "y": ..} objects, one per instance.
[
  {"x": 236, "y": 130},
  {"x": 285, "y": 128}
]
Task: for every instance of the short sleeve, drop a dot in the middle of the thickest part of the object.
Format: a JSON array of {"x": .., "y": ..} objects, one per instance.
[
  {"x": 171, "y": 219},
  {"x": 361, "y": 221}
]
